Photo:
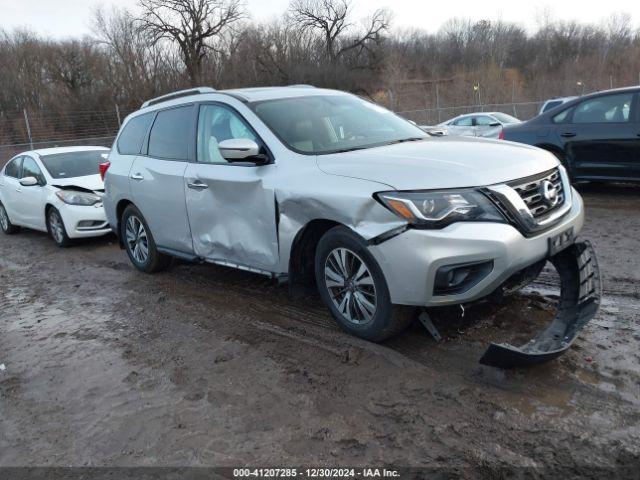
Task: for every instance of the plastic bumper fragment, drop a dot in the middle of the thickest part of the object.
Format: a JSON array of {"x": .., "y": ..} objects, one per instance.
[{"x": 580, "y": 294}]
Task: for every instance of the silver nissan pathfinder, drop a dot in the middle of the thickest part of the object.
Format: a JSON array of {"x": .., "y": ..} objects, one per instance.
[{"x": 309, "y": 185}]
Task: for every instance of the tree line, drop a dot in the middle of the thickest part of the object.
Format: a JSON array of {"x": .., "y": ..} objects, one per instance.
[{"x": 167, "y": 45}]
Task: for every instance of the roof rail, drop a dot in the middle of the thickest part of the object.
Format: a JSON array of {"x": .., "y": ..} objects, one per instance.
[
  {"x": 302, "y": 85},
  {"x": 178, "y": 94}
]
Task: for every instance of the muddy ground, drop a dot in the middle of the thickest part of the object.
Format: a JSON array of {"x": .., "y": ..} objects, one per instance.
[{"x": 204, "y": 365}]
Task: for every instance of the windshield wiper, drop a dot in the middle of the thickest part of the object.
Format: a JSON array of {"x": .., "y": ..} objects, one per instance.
[
  {"x": 352, "y": 149},
  {"x": 403, "y": 140},
  {"x": 393, "y": 142}
]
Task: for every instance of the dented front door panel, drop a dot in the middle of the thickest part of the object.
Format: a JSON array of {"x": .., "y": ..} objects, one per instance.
[{"x": 232, "y": 214}]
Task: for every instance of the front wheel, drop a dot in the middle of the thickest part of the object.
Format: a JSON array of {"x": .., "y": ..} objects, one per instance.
[
  {"x": 139, "y": 243},
  {"x": 57, "y": 229},
  {"x": 6, "y": 225},
  {"x": 354, "y": 289}
]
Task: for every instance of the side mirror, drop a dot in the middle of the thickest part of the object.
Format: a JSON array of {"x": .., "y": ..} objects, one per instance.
[
  {"x": 29, "y": 182},
  {"x": 241, "y": 150}
]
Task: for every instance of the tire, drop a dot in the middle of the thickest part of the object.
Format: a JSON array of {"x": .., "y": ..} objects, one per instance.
[
  {"x": 367, "y": 312},
  {"x": 56, "y": 228},
  {"x": 139, "y": 243},
  {"x": 5, "y": 224}
]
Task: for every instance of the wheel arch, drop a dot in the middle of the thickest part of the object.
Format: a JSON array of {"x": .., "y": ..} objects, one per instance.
[
  {"x": 120, "y": 208},
  {"x": 303, "y": 250},
  {"x": 47, "y": 206}
]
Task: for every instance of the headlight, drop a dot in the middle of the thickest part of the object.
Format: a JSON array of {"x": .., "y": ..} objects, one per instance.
[
  {"x": 78, "y": 198},
  {"x": 439, "y": 209}
]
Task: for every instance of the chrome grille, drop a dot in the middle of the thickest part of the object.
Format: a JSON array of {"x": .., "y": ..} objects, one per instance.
[{"x": 531, "y": 193}]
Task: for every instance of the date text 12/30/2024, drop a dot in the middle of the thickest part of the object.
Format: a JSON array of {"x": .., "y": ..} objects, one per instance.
[{"x": 315, "y": 473}]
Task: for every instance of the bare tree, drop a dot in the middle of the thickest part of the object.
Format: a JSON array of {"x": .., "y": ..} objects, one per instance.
[
  {"x": 193, "y": 24},
  {"x": 331, "y": 19}
]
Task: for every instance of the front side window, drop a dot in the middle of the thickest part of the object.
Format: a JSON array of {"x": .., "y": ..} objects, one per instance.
[
  {"x": 74, "y": 164},
  {"x": 215, "y": 124},
  {"x": 333, "y": 123},
  {"x": 169, "y": 137},
  {"x": 133, "y": 133},
  {"x": 30, "y": 169},
  {"x": 13, "y": 168},
  {"x": 607, "y": 109}
]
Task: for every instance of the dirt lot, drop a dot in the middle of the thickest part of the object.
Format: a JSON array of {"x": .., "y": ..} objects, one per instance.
[{"x": 204, "y": 365}]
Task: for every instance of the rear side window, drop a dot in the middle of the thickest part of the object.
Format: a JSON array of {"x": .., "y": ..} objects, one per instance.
[
  {"x": 132, "y": 136},
  {"x": 169, "y": 137},
  {"x": 13, "y": 168},
  {"x": 464, "y": 122}
]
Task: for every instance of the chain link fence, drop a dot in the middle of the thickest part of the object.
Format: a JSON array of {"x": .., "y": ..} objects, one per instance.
[
  {"x": 24, "y": 130},
  {"x": 29, "y": 130}
]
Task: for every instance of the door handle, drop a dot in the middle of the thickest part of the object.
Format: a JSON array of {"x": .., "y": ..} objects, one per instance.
[
  {"x": 197, "y": 185},
  {"x": 568, "y": 134},
  {"x": 137, "y": 176}
]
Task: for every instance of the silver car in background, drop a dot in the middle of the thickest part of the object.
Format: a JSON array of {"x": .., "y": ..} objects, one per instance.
[
  {"x": 484, "y": 124},
  {"x": 321, "y": 187}
]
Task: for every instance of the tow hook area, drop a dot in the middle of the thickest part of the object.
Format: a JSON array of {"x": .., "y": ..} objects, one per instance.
[{"x": 580, "y": 294}]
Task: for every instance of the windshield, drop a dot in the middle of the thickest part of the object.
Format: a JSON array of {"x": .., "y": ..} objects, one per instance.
[
  {"x": 74, "y": 164},
  {"x": 334, "y": 123},
  {"x": 504, "y": 118}
]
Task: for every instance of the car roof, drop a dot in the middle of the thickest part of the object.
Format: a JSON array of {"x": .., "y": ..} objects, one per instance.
[
  {"x": 561, "y": 99},
  {"x": 52, "y": 151},
  {"x": 258, "y": 94},
  {"x": 245, "y": 95},
  {"x": 474, "y": 113}
]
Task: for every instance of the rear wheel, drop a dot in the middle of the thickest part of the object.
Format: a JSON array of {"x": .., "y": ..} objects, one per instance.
[
  {"x": 6, "y": 225},
  {"x": 354, "y": 289},
  {"x": 56, "y": 228},
  {"x": 139, "y": 242}
]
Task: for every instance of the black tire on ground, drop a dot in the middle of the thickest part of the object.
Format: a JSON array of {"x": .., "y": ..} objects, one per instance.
[
  {"x": 5, "y": 224},
  {"x": 56, "y": 228},
  {"x": 382, "y": 322},
  {"x": 139, "y": 243}
]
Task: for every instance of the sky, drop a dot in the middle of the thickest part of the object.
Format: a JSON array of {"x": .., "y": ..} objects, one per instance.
[{"x": 72, "y": 18}]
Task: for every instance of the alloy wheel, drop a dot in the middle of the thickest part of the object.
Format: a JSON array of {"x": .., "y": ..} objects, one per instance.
[
  {"x": 56, "y": 226},
  {"x": 350, "y": 285},
  {"x": 137, "y": 240}
]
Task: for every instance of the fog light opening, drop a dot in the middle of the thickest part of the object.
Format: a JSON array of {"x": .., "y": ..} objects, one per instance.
[{"x": 456, "y": 279}]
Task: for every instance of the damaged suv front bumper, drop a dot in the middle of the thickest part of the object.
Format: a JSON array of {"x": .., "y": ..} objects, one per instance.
[{"x": 580, "y": 293}]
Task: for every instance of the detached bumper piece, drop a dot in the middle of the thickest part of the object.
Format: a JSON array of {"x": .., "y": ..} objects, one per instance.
[{"x": 580, "y": 293}]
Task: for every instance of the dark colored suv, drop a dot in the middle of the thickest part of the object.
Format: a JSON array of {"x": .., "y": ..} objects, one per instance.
[{"x": 596, "y": 137}]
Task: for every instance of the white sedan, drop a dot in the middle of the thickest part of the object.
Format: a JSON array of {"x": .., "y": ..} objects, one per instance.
[
  {"x": 481, "y": 124},
  {"x": 55, "y": 190}
]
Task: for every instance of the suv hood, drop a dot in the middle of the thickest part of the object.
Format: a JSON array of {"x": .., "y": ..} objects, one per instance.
[{"x": 439, "y": 163}]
